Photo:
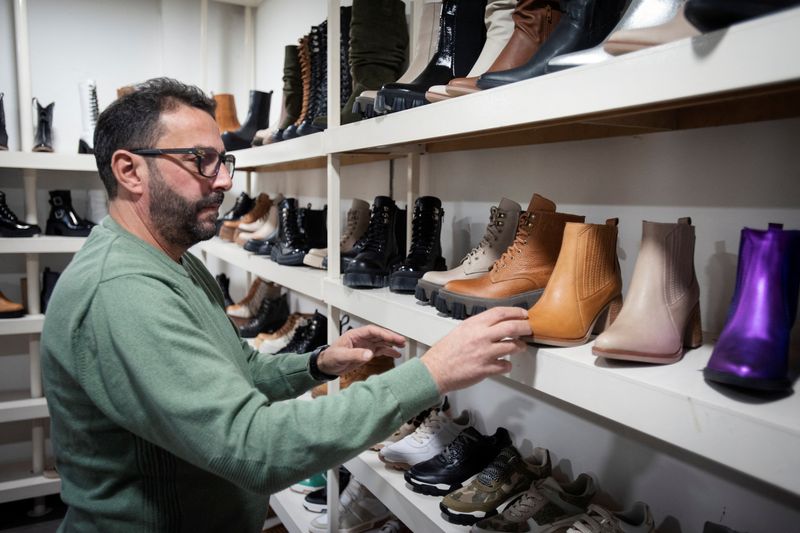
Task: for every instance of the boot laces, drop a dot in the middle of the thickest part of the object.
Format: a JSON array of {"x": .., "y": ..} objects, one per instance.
[
  {"x": 377, "y": 232},
  {"x": 520, "y": 240},
  {"x": 289, "y": 224},
  {"x": 429, "y": 427},
  {"x": 423, "y": 236},
  {"x": 493, "y": 230},
  {"x": 93, "y": 108},
  {"x": 455, "y": 450},
  {"x": 526, "y": 505},
  {"x": 350, "y": 228},
  {"x": 496, "y": 469},
  {"x": 6, "y": 212},
  {"x": 596, "y": 520}
]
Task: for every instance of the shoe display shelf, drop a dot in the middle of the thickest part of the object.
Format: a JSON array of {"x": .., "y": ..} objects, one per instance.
[
  {"x": 18, "y": 483},
  {"x": 288, "y": 506},
  {"x": 48, "y": 161}
]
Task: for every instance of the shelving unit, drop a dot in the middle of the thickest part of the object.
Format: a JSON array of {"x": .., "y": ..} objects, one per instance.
[
  {"x": 288, "y": 506},
  {"x": 18, "y": 483}
]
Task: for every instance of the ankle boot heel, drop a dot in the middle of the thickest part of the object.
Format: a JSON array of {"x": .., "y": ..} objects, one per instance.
[
  {"x": 693, "y": 333},
  {"x": 607, "y": 316}
]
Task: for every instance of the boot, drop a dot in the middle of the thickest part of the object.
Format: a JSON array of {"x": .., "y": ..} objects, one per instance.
[
  {"x": 753, "y": 349},
  {"x": 225, "y": 113},
  {"x": 381, "y": 252},
  {"x": 89, "y": 113},
  {"x": 271, "y": 315},
  {"x": 309, "y": 337},
  {"x": 241, "y": 207},
  {"x": 253, "y": 221},
  {"x": 426, "y": 246},
  {"x": 257, "y": 119},
  {"x": 267, "y": 230},
  {"x": 354, "y": 232},
  {"x": 3, "y": 131},
  {"x": 585, "y": 289},
  {"x": 224, "y": 285},
  {"x": 631, "y": 40},
  {"x": 314, "y": 226},
  {"x": 461, "y": 37},
  {"x": 345, "y": 78},
  {"x": 711, "y": 15},
  {"x": 318, "y": 99},
  {"x": 583, "y": 24},
  {"x": 292, "y": 244},
  {"x": 49, "y": 279},
  {"x": 9, "y": 309},
  {"x": 249, "y": 305},
  {"x": 11, "y": 226},
  {"x": 661, "y": 314},
  {"x": 304, "y": 59},
  {"x": 259, "y": 210},
  {"x": 375, "y": 366},
  {"x": 292, "y": 98},
  {"x": 499, "y": 234},
  {"x": 63, "y": 219},
  {"x": 520, "y": 275},
  {"x": 640, "y": 14},
  {"x": 43, "y": 137}
]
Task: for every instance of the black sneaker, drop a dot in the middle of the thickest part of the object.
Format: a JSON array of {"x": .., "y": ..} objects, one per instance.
[
  {"x": 467, "y": 455},
  {"x": 317, "y": 501}
]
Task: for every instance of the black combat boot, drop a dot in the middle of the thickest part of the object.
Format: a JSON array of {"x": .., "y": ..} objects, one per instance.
[
  {"x": 345, "y": 78},
  {"x": 292, "y": 244},
  {"x": 426, "y": 245},
  {"x": 382, "y": 250},
  {"x": 310, "y": 336},
  {"x": 314, "y": 225},
  {"x": 43, "y": 137},
  {"x": 272, "y": 314},
  {"x": 63, "y": 219},
  {"x": 318, "y": 100},
  {"x": 242, "y": 206},
  {"x": 257, "y": 118},
  {"x": 11, "y": 226}
]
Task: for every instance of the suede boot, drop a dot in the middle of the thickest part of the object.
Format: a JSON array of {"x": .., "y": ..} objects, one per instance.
[
  {"x": 225, "y": 113},
  {"x": 425, "y": 253},
  {"x": 304, "y": 60},
  {"x": 292, "y": 98}
]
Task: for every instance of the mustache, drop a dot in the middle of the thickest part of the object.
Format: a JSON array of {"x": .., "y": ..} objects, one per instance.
[{"x": 213, "y": 200}]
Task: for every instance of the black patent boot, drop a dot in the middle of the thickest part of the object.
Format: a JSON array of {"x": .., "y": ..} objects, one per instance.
[
  {"x": 381, "y": 252},
  {"x": 272, "y": 314},
  {"x": 43, "y": 138},
  {"x": 257, "y": 118},
  {"x": 11, "y": 226},
  {"x": 426, "y": 245},
  {"x": 242, "y": 205},
  {"x": 462, "y": 33},
  {"x": 3, "y": 131},
  {"x": 63, "y": 219},
  {"x": 318, "y": 100},
  {"x": 314, "y": 225},
  {"x": 292, "y": 244},
  {"x": 310, "y": 336}
]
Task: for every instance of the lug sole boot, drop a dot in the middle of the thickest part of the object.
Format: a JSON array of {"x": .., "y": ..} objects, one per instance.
[
  {"x": 661, "y": 314},
  {"x": 425, "y": 253},
  {"x": 291, "y": 246},
  {"x": 272, "y": 314},
  {"x": 43, "y": 137},
  {"x": 318, "y": 96},
  {"x": 63, "y": 219},
  {"x": 382, "y": 251},
  {"x": 585, "y": 290}
]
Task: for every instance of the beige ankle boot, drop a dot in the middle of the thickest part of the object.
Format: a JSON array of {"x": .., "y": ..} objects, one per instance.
[{"x": 661, "y": 314}]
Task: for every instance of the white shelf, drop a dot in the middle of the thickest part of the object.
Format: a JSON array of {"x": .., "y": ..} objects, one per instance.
[
  {"x": 48, "y": 161},
  {"x": 18, "y": 483},
  {"x": 298, "y": 149},
  {"x": 302, "y": 279},
  {"x": 18, "y": 405},
  {"x": 21, "y": 326},
  {"x": 288, "y": 506},
  {"x": 41, "y": 244}
]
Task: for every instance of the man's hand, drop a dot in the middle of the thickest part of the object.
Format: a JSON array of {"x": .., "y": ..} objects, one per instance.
[
  {"x": 358, "y": 346},
  {"x": 472, "y": 351}
]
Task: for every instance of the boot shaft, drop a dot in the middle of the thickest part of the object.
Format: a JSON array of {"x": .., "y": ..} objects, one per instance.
[
  {"x": 257, "y": 114},
  {"x": 356, "y": 224},
  {"x": 499, "y": 27},
  {"x": 43, "y": 136},
  {"x": 378, "y": 42},
  {"x": 225, "y": 113},
  {"x": 292, "y": 86},
  {"x": 3, "y": 131},
  {"x": 289, "y": 229},
  {"x": 382, "y": 232},
  {"x": 89, "y": 107},
  {"x": 462, "y": 34},
  {"x": 313, "y": 223},
  {"x": 426, "y": 228},
  {"x": 500, "y": 232},
  {"x": 534, "y": 22}
]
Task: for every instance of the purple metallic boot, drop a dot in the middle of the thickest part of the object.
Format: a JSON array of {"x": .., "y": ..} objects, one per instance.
[{"x": 753, "y": 350}]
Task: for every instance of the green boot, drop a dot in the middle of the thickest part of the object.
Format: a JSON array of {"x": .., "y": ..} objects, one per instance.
[{"x": 292, "y": 92}]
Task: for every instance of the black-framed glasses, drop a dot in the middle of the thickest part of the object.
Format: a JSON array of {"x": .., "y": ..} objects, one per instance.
[{"x": 208, "y": 160}]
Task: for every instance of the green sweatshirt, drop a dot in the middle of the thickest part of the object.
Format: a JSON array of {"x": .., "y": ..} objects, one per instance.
[{"x": 164, "y": 419}]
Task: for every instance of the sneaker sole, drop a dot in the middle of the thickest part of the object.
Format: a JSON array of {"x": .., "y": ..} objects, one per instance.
[
  {"x": 395, "y": 465},
  {"x": 439, "y": 489},
  {"x": 465, "y": 518},
  {"x": 461, "y": 307},
  {"x": 315, "y": 508}
]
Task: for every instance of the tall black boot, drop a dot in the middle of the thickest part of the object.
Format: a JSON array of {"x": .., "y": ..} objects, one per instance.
[
  {"x": 11, "y": 226},
  {"x": 318, "y": 102},
  {"x": 292, "y": 244},
  {"x": 345, "y": 78},
  {"x": 43, "y": 137},
  {"x": 310, "y": 336},
  {"x": 49, "y": 279},
  {"x": 257, "y": 119},
  {"x": 242, "y": 206},
  {"x": 3, "y": 132},
  {"x": 462, "y": 33},
  {"x": 272, "y": 314},
  {"x": 382, "y": 252},
  {"x": 63, "y": 219},
  {"x": 426, "y": 245}
]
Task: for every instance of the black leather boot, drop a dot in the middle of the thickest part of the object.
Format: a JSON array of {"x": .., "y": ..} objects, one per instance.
[
  {"x": 583, "y": 24},
  {"x": 11, "y": 226},
  {"x": 711, "y": 15},
  {"x": 382, "y": 252},
  {"x": 345, "y": 78},
  {"x": 292, "y": 244},
  {"x": 426, "y": 245},
  {"x": 242, "y": 206},
  {"x": 257, "y": 119},
  {"x": 272, "y": 314},
  {"x": 314, "y": 225},
  {"x": 63, "y": 219},
  {"x": 462, "y": 33},
  {"x": 3, "y": 131},
  {"x": 310, "y": 336},
  {"x": 49, "y": 279},
  {"x": 43, "y": 137},
  {"x": 318, "y": 102},
  {"x": 224, "y": 283}
]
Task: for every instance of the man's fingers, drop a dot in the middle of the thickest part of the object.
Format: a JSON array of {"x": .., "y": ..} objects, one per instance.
[
  {"x": 508, "y": 347},
  {"x": 499, "y": 314},
  {"x": 388, "y": 352},
  {"x": 373, "y": 333},
  {"x": 510, "y": 328},
  {"x": 500, "y": 366}
]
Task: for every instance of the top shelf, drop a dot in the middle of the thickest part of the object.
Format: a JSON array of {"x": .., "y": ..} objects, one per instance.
[{"x": 48, "y": 161}]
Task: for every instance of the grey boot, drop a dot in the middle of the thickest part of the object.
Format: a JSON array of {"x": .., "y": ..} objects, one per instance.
[
  {"x": 43, "y": 138},
  {"x": 3, "y": 132}
]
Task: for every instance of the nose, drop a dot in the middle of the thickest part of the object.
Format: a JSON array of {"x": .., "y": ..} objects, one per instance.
[{"x": 223, "y": 181}]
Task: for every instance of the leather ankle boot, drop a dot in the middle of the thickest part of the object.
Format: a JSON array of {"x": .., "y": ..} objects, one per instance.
[
  {"x": 267, "y": 230},
  {"x": 583, "y": 24},
  {"x": 520, "y": 275},
  {"x": 661, "y": 314},
  {"x": 11, "y": 226},
  {"x": 425, "y": 253},
  {"x": 500, "y": 231},
  {"x": 639, "y": 38},
  {"x": 3, "y": 131},
  {"x": 310, "y": 336},
  {"x": 249, "y": 305},
  {"x": 461, "y": 37},
  {"x": 352, "y": 240},
  {"x": 381, "y": 252},
  {"x": 224, "y": 283},
  {"x": 240, "y": 208},
  {"x": 9, "y": 309},
  {"x": 271, "y": 315},
  {"x": 63, "y": 219},
  {"x": 318, "y": 98},
  {"x": 753, "y": 350},
  {"x": 314, "y": 225},
  {"x": 89, "y": 113},
  {"x": 304, "y": 60},
  {"x": 225, "y": 113},
  {"x": 585, "y": 289},
  {"x": 254, "y": 220},
  {"x": 260, "y": 209},
  {"x": 43, "y": 137},
  {"x": 292, "y": 98},
  {"x": 257, "y": 118},
  {"x": 292, "y": 244}
]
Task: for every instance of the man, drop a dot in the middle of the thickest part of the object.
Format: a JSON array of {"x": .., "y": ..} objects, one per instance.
[{"x": 163, "y": 419}]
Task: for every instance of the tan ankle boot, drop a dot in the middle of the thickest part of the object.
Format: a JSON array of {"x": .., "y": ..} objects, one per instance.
[
  {"x": 377, "y": 365},
  {"x": 226, "y": 113},
  {"x": 585, "y": 288},
  {"x": 9, "y": 309},
  {"x": 661, "y": 314}
]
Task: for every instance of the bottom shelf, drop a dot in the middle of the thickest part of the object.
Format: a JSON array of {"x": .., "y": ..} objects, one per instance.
[
  {"x": 18, "y": 483},
  {"x": 288, "y": 506}
]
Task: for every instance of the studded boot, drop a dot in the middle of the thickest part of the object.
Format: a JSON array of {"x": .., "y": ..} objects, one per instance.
[
  {"x": 381, "y": 252},
  {"x": 310, "y": 336},
  {"x": 63, "y": 219},
  {"x": 43, "y": 137},
  {"x": 3, "y": 131},
  {"x": 89, "y": 113},
  {"x": 292, "y": 244},
  {"x": 11, "y": 226},
  {"x": 425, "y": 253},
  {"x": 318, "y": 103}
]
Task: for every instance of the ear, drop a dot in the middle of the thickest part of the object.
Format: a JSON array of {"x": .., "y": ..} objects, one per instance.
[{"x": 130, "y": 171}]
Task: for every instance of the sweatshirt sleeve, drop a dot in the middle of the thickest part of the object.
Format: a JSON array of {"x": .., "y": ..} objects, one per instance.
[
  {"x": 163, "y": 373},
  {"x": 281, "y": 376}
]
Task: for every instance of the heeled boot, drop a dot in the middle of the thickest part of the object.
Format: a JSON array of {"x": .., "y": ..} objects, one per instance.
[
  {"x": 753, "y": 349},
  {"x": 43, "y": 137},
  {"x": 225, "y": 113},
  {"x": 425, "y": 253},
  {"x": 318, "y": 99},
  {"x": 11, "y": 226},
  {"x": 382, "y": 250},
  {"x": 661, "y": 314},
  {"x": 89, "y": 113},
  {"x": 585, "y": 290},
  {"x": 631, "y": 40},
  {"x": 3, "y": 131},
  {"x": 304, "y": 60},
  {"x": 63, "y": 219},
  {"x": 257, "y": 119}
]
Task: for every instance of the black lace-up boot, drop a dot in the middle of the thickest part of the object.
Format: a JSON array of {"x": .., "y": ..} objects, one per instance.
[
  {"x": 426, "y": 245},
  {"x": 43, "y": 138},
  {"x": 272, "y": 314},
  {"x": 243, "y": 205},
  {"x": 3, "y": 132},
  {"x": 381, "y": 252},
  {"x": 310, "y": 336},
  {"x": 345, "y": 78},
  {"x": 63, "y": 219},
  {"x": 292, "y": 244},
  {"x": 11, "y": 226},
  {"x": 318, "y": 102}
]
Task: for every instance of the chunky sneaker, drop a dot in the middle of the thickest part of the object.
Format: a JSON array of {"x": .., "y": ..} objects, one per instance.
[
  {"x": 545, "y": 502},
  {"x": 317, "y": 501},
  {"x": 359, "y": 510},
  {"x": 315, "y": 482},
  {"x": 428, "y": 440},
  {"x": 506, "y": 476},
  {"x": 403, "y": 431},
  {"x": 597, "y": 519},
  {"x": 470, "y": 453}
]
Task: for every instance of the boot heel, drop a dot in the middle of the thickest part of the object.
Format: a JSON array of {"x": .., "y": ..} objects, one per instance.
[
  {"x": 693, "y": 333},
  {"x": 608, "y": 316}
]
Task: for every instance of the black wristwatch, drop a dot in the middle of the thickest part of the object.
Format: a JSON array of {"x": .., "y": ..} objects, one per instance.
[{"x": 313, "y": 368}]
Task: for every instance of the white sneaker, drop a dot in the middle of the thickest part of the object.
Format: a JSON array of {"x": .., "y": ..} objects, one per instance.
[
  {"x": 428, "y": 440},
  {"x": 359, "y": 510}
]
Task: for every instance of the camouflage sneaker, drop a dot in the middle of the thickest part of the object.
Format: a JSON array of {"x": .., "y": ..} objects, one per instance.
[
  {"x": 597, "y": 519},
  {"x": 506, "y": 476},
  {"x": 542, "y": 504}
]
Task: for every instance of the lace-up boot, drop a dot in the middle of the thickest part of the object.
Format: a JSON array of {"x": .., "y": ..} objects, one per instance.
[
  {"x": 467, "y": 455},
  {"x": 345, "y": 78},
  {"x": 503, "y": 221},
  {"x": 310, "y": 336},
  {"x": 359, "y": 510},
  {"x": 355, "y": 228},
  {"x": 3, "y": 131},
  {"x": 89, "y": 113},
  {"x": 428, "y": 440},
  {"x": 272, "y": 314},
  {"x": 250, "y": 304},
  {"x": 43, "y": 137},
  {"x": 506, "y": 476},
  {"x": 426, "y": 246},
  {"x": 240, "y": 208},
  {"x": 266, "y": 231},
  {"x": 229, "y": 229},
  {"x": 318, "y": 62},
  {"x": 638, "y": 519},
  {"x": 381, "y": 251},
  {"x": 63, "y": 219},
  {"x": 519, "y": 277},
  {"x": 271, "y": 343},
  {"x": 403, "y": 431},
  {"x": 292, "y": 244},
  {"x": 11, "y": 226}
]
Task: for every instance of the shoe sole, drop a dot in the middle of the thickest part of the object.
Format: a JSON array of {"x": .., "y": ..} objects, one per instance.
[
  {"x": 314, "y": 261},
  {"x": 315, "y": 508},
  {"x": 364, "y": 107},
  {"x": 427, "y": 292},
  {"x": 762, "y": 384},
  {"x": 465, "y": 518},
  {"x": 12, "y": 314},
  {"x": 441, "y": 489},
  {"x": 461, "y": 306},
  {"x": 288, "y": 260},
  {"x": 403, "y": 284},
  {"x": 368, "y": 281},
  {"x": 396, "y": 465},
  {"x": 389, "y": 101}
]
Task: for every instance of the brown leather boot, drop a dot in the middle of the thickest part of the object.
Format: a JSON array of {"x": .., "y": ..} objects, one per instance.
[
  {"x": 226, "y": 113},
  {"x": 9, "y": 309},
  {"x": 521, "y": 274},
  {"x": 260, "y": 210},
  {"x": 304, "y": 56},
  {"x": 378, "y": 365},
  {"x": 585, "y": 289}
]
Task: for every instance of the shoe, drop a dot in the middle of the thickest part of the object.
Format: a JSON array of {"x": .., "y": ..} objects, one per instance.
[
  {"x": 519, "y": 276},
  {"x": 317, "y": 501},
  {"x": 242, "y": 205},
  {"x": 292, "y": 99},
  {"x": 3, "y": 131},
  {"x": 224, "y": 283},
  {"x": 359, "y": 510},
  {"x": 584, "y": 293},
  {"x": 291, "y": 245},
  {"x": 545, "y": 502},
  {"x": 314, "y": 225},
  {"x": 248, "y": 306},
  {"x": 49, "y": 280},
  {"x": 373, "y": 367},
  {"x": 259, "y": 210},
  {"x": 315, "y": 257},
  {"x": 345, "y": 76},
  {"x": 266, "y": 231},
  {"x": 467, "y": 455},
  {"x": 625, "y": 41},
  {"x": 309, "y": 336},
  {"x": 63, "y": 219},
  {"x": 309, "y": 485},
  {"x": 425, "y": 253},
  {"x": 503, "y": 221},
  {"x": 89, "y": 113},
  {"x": 11, "y": 226},
  {"x": 753, "y": 349},
  {"x": 225, "y": 112},
  {"x": 392, "y": 525},
  {"x": 506, "y": 476},
  {"x": 272, "y": 343},
  {"x": 661, "y": 314},
  {"x": 9, "y": 309},
  {"x": 257, "y": 118},
  {"x": 600, "y": 520},
  {"x": 304, "y": 59},
  {"x": 428, "y": 440},
  {"x": 711, "y": 15},
  {"x": 382, "y": 252},
  {"x": 403, "y": 431},
  {"x": 355, "y": 226},
  {"x": 255, "y": 219},
  {"x": 271, "y": 315},
  {"x": 318, "y": 77},
  {"x": 43, "y": 137}
]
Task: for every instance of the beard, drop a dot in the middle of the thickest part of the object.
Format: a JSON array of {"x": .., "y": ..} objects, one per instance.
[{"x": 176, "y": 218}]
